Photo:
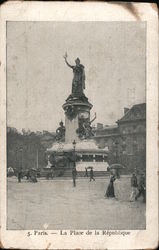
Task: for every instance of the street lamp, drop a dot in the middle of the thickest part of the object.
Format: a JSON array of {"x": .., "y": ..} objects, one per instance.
[
  {"x": 74, "y": 147},
  {"x": 116, "y": 150},
  {"x": 21, "y": 163},
  {"x": 37, "y": 159}
]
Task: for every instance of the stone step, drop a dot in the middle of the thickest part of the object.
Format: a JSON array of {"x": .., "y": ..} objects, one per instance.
[{"x": 68, "y": 173}]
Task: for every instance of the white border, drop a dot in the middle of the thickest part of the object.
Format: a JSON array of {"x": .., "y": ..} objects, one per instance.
[{"x": 87, "y": 11}]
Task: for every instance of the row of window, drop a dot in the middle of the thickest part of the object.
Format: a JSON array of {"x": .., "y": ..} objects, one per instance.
[
  {"x": 134, "y": 128},
  {"x": 91, "y": 158}
]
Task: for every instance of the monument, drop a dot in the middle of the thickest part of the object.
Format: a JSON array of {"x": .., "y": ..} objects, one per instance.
[
  {"x": 77, "y": 108},
  {"x": 75, "y": 145}
]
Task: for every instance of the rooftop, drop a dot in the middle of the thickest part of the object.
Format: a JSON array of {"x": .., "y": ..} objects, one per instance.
[{"x": 137, "y": 112}]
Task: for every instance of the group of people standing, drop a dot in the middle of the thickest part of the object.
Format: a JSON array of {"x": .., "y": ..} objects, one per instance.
[
  {"x": 91, "y": 174},
  {"x": 74, "y": 175},
  {"x": 31, "y": 176},
  {"x": 138, "y": 187}
]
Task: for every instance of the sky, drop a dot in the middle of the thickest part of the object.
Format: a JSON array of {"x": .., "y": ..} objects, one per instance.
[{"x": 39, "y": 81}]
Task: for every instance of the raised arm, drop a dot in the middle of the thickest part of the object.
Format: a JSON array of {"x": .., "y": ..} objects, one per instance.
[{"x": 69, "y": 65}]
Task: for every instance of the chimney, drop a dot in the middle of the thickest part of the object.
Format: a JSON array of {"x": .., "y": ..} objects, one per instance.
[{"x": 125, "y": 110}]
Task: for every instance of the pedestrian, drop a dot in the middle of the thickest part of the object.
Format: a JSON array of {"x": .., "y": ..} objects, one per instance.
[
  {"x": 74, "y": 174},
  {"x": 142, "y": 188},
  {"x": 48, "y": 176},
  {"x": 110, "y": 189},
  {"x": 117, "y": 173},
  {"x": 52, "y": 173},
  {"x": 33, "y": 178},
  {"x": 92, "y": 175},
  {"x": 134, "y": 186},
  {"x": 86, "y": 173},
  {"x": 28, "y": 175},
  {"x": 19, "y": 175},
  {"x": 10, "y": 172}
]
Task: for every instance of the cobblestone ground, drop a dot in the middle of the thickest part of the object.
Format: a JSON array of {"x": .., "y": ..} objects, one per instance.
[{"x": 55, "y": 204}]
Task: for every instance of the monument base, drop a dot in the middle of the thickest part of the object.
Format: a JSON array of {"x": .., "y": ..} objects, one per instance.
[{"x": 87, "y": 155}]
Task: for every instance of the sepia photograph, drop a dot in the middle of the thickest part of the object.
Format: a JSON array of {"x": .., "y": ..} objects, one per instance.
[
  {"x": 76, "y": 125},
  {"x": 78, "y": 141}
]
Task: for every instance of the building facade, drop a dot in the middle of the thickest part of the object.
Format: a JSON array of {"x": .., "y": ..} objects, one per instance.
[{"x": 126, "y": 141}]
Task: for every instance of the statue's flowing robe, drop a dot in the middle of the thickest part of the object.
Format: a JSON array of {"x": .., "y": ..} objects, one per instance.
[
  {"x": 83, "y": 78},
  {"x": 78, "y": 82}
]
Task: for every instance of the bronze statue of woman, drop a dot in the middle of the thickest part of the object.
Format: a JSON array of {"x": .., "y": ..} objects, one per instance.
[{"x": 78, "y": 82}]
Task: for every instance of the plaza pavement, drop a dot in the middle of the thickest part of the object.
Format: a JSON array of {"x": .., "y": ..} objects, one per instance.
[{"x": 56, "y": 204}]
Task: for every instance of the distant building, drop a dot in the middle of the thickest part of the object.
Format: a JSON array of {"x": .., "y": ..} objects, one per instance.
[
  {"x": 126, "y": 141},
  {"x": 106, "y": 136},
  {"x": 132, "y": 129}
]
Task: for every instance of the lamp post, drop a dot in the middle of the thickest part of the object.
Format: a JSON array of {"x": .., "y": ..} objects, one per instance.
[
  {"x": 116, "y": 150},
  {"x": 74, "y": 148},
  {"x": 74, "y": 173},
  {"x": 37, "y": 159},
  {"x": 20, "y": 167},
  {"x": 21, "y": 162}
]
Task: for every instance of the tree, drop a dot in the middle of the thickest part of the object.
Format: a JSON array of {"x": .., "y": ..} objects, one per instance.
[{"x": 22, "y": 149}]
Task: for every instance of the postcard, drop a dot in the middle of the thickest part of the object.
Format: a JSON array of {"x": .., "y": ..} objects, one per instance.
[{"x": 79, "y": 115}]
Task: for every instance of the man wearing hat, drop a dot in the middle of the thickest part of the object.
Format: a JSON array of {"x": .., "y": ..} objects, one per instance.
[
  {"x": 92, "y": 174},
  {"x": 133, "y": 187},
  {"x": 142, "y": 188},
  {"x": 74, "y": 174}
]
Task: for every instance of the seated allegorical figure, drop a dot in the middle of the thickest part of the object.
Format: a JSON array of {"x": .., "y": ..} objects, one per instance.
[{"x": 60, "y": 132}]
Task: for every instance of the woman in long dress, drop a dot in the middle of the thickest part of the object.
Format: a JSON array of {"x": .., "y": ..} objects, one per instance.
[{"x": 110, "y": 189}]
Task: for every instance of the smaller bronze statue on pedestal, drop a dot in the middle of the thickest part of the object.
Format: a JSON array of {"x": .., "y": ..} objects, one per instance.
[
  {"x": 85, "y": 129},
  {"x": 60, "y": 132}
]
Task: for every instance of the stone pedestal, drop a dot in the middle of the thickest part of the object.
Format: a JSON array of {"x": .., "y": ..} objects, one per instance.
[
  {"x": 71, "y": 127},
  {"x": 85, "y": 154},
  {"x": 77, "y": 111}
]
